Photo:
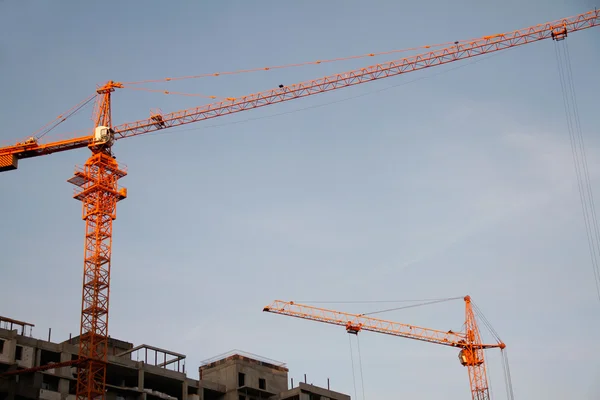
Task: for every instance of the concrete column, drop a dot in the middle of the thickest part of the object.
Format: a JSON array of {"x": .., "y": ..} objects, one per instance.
[
  {"x": 141, "y": 378},
  {"x": 11, "y": 346},
  {"x": 63, "y": 384},
  {"x": 184, "y": 390},
  {"x": 63, "y": 387},
  {"x": 140, "y": 385},
  {"x": 65, "y": 371},
  {"x": 142, "y": 396},
  {"x": 37, "y": 357}
]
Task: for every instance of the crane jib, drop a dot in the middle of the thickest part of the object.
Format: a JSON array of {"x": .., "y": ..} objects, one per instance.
[{"x": 556, "y": 30}]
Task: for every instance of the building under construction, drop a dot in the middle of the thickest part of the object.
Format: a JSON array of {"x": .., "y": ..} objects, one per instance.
[{"x": 143, "y": 372}]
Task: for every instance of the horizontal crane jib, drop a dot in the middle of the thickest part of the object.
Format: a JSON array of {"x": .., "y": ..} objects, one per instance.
[
  {"x": 461, "y": 50},
  {"x": 485, "y": 45},
  {"x": 363, "y": 322}
]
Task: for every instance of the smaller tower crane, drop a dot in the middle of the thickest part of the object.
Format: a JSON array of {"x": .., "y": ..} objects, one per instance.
[{"x": 469, "y": 340}]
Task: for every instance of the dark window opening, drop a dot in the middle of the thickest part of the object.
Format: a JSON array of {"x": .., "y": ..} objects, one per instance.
[
  {"x": 50, "y": 382},
  {"x": 262, "y": 384},
  {"x": 241, "y": 379},
  {"x": 47, "y": 357},
  {"x": 19, "y": 353},
  {"x": 240, "y": 397},
  {"x": 1, "y": 346}
]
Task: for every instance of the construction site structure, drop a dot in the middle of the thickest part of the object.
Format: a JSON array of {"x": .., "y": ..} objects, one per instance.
[
  {"x": 468, "y": 340},
  {"x": 97, "y": 181},
  {"x": 142, "y": 372}
]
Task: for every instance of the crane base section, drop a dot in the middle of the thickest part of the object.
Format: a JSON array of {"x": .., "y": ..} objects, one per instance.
[{"x": 8, "y": 162}]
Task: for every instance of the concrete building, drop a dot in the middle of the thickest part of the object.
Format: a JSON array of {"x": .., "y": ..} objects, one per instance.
[{"x": 143, "y": 372}]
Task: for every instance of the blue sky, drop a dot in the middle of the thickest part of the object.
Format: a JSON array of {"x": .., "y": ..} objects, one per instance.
[{"x": 458, "y": 183}]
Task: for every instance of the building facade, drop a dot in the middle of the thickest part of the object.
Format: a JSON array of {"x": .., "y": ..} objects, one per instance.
[{"x": 143, "y": 372}]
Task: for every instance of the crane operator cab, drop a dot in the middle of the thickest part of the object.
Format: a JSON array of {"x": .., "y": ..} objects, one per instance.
[
  {"x": 103, "y": 135},
  {"x": 469, "y": 358}
]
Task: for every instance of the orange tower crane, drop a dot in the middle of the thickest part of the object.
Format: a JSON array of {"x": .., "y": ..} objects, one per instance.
[
  {"x": 469, "y": 341},
  {"x": 97, "y": 181}
]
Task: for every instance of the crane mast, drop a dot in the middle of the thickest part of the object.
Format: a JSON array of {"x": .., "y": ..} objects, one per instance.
[
  {"x": 97, "y": 181},
  {"x": 98, "y": 190},
  {"x": 470, "y": 356}
]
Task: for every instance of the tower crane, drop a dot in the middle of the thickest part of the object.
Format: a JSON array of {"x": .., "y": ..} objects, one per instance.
[
  {"x": 97, "y": 181},
  {"x": 471, "y": 353}
]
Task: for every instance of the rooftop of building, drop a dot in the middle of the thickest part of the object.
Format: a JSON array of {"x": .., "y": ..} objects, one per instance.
[
  {"x": 240, "y": 355},
  {"x": 150, "y": 355}
]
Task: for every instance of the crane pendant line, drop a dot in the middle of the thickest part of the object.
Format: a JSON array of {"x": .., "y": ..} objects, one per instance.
[{"x": 470, "y": 356}]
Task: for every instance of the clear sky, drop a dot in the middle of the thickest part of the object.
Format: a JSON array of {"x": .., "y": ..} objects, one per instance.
[{"x": 458, "y": 183}]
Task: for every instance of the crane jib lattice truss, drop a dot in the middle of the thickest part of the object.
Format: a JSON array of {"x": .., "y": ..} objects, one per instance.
[{"x": 556, "y": 30}]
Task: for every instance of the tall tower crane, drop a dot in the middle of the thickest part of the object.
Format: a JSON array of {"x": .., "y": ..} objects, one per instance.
[
  {"x": 469, "y": 341},
  {"x": 97, "y": 181}
]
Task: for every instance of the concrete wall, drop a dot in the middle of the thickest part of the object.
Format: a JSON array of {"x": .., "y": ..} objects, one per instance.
[
  {"x": 9, "y": 352},
  {"x": 27, "y": 356},
  {"x": 226, "y": 372},
  {"x": 305, "y": 392},
  {"x": 223, "y": 374},
  {"x": 276, "y": 380},
  {"x": 49, "y": 395}
]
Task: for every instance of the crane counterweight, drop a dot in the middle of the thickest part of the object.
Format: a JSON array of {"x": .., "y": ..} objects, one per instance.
[{"x": 8, "y": 162}]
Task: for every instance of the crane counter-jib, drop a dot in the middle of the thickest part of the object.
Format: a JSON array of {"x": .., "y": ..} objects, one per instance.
[{"x": 10, "y": 155}]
